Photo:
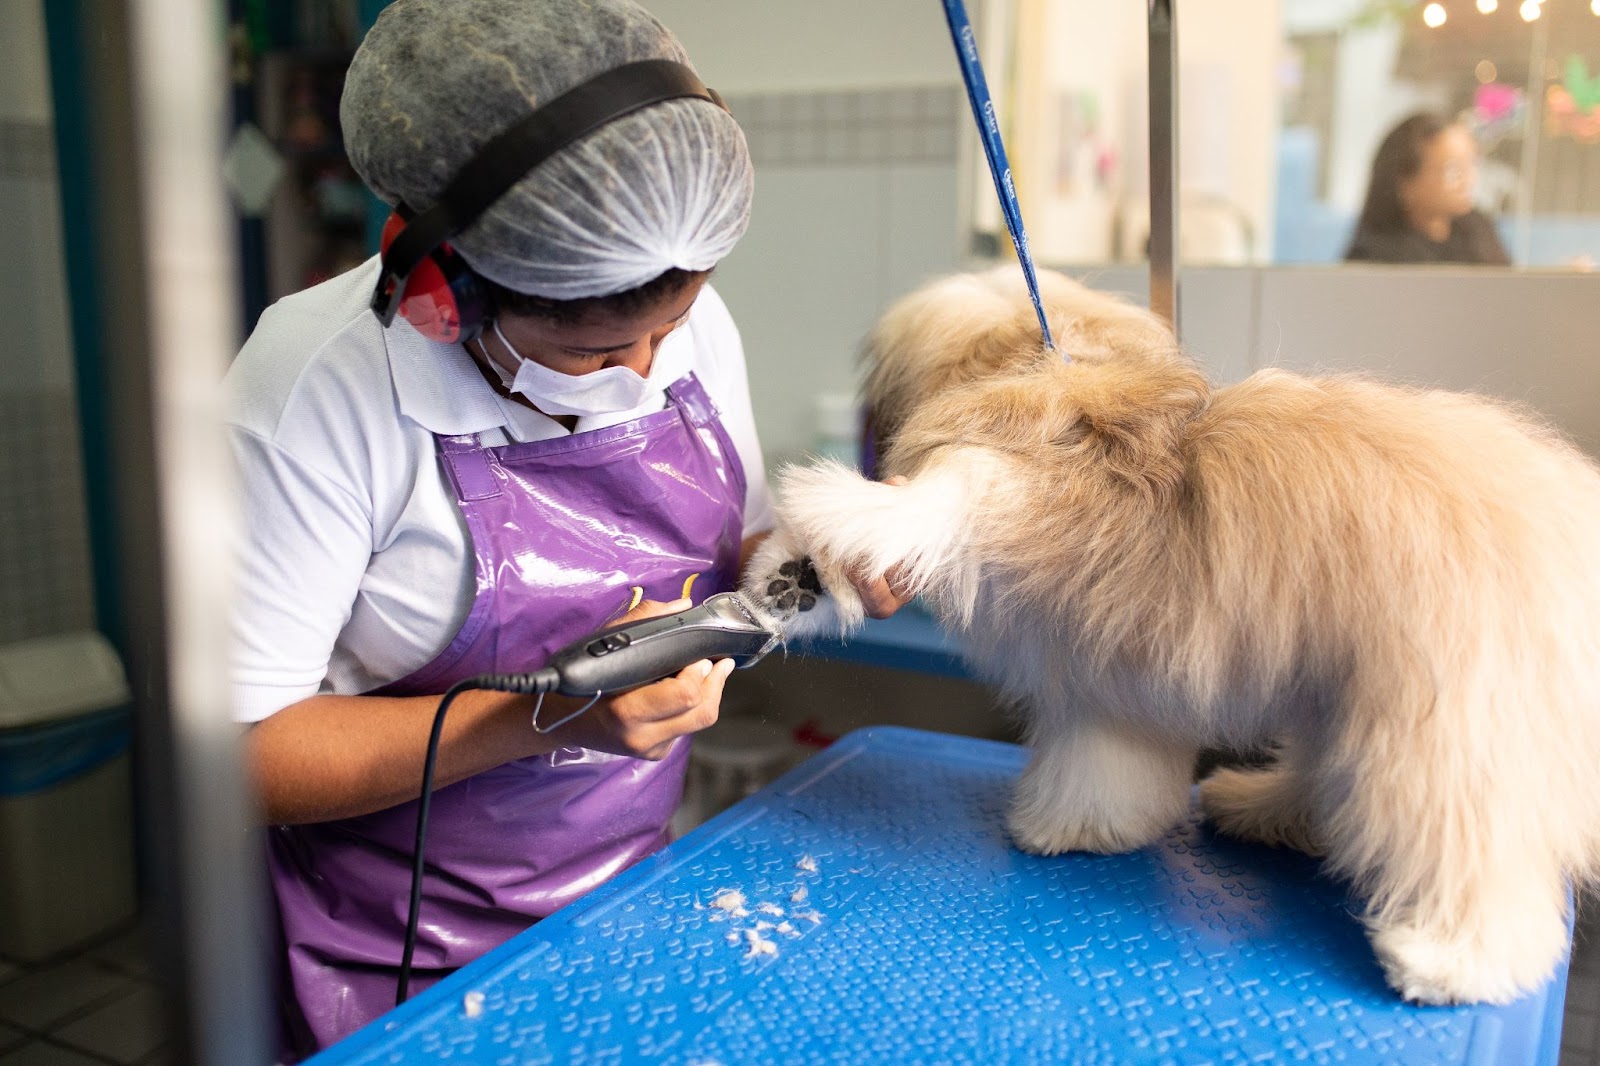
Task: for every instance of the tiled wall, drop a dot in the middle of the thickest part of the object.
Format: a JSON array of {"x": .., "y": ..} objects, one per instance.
[
  {"x": 876, "y": 127},
  {"x": 44, "y": 557},
  {"x": 44, "y": 552}
]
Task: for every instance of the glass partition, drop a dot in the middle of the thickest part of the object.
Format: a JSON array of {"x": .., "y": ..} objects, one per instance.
[{"x": 1283, "y": 106}]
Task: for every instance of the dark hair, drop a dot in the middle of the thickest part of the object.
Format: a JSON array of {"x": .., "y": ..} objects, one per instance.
[
  {"x": 623, "y": 304},
  {"x": 1398, "y": 160}
]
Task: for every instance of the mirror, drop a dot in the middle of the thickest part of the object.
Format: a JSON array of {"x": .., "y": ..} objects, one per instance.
[{"x": 1283, "y": 105}]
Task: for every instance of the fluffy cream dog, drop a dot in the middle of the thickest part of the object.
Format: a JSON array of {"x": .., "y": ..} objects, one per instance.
[{"x": 1399, "y": 587}]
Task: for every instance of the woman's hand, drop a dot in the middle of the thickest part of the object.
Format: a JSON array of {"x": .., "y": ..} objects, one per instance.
[
  {"x": 882, "y": 596},
  {"x": 643, "y": 722}
]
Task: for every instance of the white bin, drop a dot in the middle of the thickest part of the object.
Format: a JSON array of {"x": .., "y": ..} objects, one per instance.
[{"x": 66, "y": 795}]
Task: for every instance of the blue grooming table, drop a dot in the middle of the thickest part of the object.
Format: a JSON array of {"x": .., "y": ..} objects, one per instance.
[{"x": 918, "y": 934}]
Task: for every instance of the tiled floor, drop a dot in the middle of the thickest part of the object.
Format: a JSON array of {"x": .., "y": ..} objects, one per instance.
[{"x": 102, "y": 1008}]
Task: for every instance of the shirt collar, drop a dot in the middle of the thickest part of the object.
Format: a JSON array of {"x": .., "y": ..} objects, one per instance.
[{"x": 438, "y": 386}]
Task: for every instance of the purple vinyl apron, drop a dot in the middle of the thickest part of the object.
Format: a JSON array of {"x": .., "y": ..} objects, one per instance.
[{"x": 561, "y": 529}]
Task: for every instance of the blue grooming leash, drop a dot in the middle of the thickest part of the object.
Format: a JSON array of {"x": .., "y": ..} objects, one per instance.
[{"x": 993, "y": 149}]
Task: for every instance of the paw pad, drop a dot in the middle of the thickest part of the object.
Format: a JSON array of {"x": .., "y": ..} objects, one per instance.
[{"x": 796, "y": 586}]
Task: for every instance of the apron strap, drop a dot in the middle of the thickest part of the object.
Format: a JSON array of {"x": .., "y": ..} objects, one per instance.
[
  {"x": 689, "y": 394},
  {"x": 470, "y": 468},
  {"x": 697, "y": 407}
]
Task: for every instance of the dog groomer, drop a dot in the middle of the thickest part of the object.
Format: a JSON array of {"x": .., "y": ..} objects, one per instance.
[{"x": 557, "y": 416}]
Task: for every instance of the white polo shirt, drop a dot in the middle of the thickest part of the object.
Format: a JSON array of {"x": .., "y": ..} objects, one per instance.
[{"x": 355, "y": 566}]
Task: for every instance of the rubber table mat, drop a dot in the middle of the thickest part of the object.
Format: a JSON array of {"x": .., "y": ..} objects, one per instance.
[{"x": 868, "y": 907}]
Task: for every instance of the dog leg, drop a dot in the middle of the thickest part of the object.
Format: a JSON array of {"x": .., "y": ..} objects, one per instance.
[
  {"x": 1454, "y": 849},
  {"x": 1474, "y": 917},
  {"x": 836, "y": 525},
  {"x": 1092, "y": 788},
  {"x": 1506, "y": 940},
  {"x": 1268, "y": 806}
]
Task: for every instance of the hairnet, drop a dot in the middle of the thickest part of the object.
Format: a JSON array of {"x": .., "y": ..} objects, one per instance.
[{"x": 665, "y": 186}]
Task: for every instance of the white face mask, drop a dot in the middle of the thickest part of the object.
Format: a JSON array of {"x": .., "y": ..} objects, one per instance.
[{"x": 608, "y": 391}]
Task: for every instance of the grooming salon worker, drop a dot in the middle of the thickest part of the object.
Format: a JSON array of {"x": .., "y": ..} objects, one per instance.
[{"x": 558, "y": 415}]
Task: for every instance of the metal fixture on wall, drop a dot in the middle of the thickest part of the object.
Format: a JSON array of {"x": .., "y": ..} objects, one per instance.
[{"x": 1164, "y": 160}]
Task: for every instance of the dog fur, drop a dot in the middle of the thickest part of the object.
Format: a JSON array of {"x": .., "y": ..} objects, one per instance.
[{"x": 1396, "y": 587}]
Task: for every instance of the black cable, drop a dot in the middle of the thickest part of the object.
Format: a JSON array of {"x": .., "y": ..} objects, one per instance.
[{"x": 524, "y": 684}]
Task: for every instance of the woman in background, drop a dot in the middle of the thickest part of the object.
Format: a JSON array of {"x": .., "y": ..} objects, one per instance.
[{"x": 1419, "y": 201}]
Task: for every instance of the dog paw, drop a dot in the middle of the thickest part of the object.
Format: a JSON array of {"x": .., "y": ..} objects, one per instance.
[
  {"x": 1042, "y": 835},
  {"x": 1441, "y": 971},
  {"x": 1259, "y": 806},
  {"x": 1092, "y": 787},
  {"x": 791, "y": 589},
  {"x": 782, "y": 579}
]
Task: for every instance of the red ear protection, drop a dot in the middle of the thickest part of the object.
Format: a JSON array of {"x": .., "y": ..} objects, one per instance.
[{"x": 442, "y": 298}]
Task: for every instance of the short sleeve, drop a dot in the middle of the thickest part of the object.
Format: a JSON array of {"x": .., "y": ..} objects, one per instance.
[{"x": 304, "y": 545}]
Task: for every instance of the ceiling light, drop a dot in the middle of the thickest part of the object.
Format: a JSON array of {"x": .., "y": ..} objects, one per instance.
[
  {"x": 1434, "y": 14},
  {"x": 1488, "y": 7},
  {"x": 1529, "y": 10}
]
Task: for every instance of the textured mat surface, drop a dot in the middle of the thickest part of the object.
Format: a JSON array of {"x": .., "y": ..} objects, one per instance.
[{"x": 868, "y": 907}]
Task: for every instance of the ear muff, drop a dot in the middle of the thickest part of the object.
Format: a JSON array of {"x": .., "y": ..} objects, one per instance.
[{"x": 442, "y": 298}]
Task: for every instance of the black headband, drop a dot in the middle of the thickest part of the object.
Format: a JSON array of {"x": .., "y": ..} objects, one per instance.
[{"x": 508, "y": 158}]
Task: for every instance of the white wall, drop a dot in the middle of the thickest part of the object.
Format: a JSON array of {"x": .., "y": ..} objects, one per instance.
[
  {"x": 1231, "y": 54},
  {"x": 828, "y": 249},
  {"x": 1369, "y": 101},
  {"x": 1091, "y": 53},
  {"x": 1228, "y": 122}
]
